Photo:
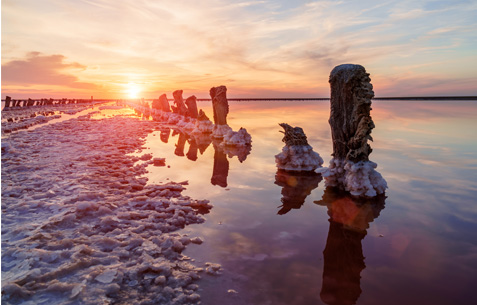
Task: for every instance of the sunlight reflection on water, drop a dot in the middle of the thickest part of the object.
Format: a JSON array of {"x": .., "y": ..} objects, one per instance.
[{"x": 419, "y": 245}]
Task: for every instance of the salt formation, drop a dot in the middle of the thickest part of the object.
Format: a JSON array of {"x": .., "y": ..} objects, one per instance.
[
  {"x": 16, "y": 119},
  {"x": 237, "y": 138},
  {"x": 220, "y": 106},
  {"x": 351, "y": 125},
  {"x": 203, "y": 124},
  {"x": 297, "y": 154},
  {"x": 81, "y": 225}
]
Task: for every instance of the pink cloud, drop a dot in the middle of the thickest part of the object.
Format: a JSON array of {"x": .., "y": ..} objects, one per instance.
[{"x": 38, "y": 69}]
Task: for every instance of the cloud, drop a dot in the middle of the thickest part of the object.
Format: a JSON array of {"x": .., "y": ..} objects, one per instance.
[
  {"x": 38, "y": 69},
  {"x": 282, "y": 46}
]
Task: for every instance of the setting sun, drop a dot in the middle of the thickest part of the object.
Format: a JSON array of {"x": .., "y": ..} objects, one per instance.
[{"x": 133, "y": 90}]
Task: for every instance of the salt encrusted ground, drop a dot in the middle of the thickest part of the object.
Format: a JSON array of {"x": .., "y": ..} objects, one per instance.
[{"x": 81, "y": 226}]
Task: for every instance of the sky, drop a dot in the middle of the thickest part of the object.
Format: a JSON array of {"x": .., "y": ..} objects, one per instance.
[{"x": 144, "y": 48}]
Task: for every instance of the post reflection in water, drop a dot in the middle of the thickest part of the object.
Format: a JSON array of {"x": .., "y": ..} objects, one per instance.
[
  {"x": 296, "y": 186},
  {"x": 165, "y": 133},
  {"x": 193, "y": 149},
  {"x": 343, "y": 254},
  {"x": 240, "y": 151},
  {"x": 221, "y": 167},
  {"x": 180, "y": 145}
]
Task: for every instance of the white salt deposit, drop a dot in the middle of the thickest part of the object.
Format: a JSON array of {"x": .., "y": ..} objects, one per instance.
[
  {"x": 237, "y": 138},
  {"x": 220, "y": 131},
  {"x": 298, "y": 158},
  {"x": 81, "y": 226},
  {"x": 205, "y": 126},
  {"x": 359, "y": 179}
]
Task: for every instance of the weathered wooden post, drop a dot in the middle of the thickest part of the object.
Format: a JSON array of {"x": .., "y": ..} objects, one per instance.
[
  {"x": 191, "y": 103},
  {"x": 220, "y": 106},
  {"x": 180, "y": 107},
  {"x": 164, "y": 103},
  {"x": 350, "y": 119},
  {"x": 7, "y": 102},
  {"x": 351, "y": 125}
]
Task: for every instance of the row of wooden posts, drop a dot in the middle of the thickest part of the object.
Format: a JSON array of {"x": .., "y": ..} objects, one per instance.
[{"x": 9, "y": 103}]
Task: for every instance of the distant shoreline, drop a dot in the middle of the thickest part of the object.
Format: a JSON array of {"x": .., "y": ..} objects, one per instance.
[{"x": 419, "y": 98}]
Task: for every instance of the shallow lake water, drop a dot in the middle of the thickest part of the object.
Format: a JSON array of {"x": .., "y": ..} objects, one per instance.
[{"x": 282, "y": 240}]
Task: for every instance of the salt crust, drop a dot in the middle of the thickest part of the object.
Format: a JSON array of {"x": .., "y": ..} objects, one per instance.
[
  {"x": 237, "y": 138},
  {"x": 220, "y": 131},
  {"x": 81, "y": 226},
  {"x": 298, "y": 158},
  {"x": 195, "y": 127},
  {"x": 18, "y": 118},
  {"x": 359, "y": 179}
]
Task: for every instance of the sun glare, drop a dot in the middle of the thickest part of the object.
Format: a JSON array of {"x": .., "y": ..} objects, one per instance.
[{"x": 133, "y": 90}]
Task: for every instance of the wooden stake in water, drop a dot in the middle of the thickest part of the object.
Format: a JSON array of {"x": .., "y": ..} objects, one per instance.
[{"x": 350, "y": 119}]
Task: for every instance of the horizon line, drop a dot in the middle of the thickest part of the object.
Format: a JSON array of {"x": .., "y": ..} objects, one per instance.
[{"x": 445, "y": 97}]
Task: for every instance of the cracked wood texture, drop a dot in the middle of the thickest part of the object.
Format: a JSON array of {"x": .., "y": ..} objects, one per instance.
[
  {"x": 220, "y": 104},
  {"x": 180, "y": 107},
  {"x": 191, "y": 103},
  {"x": 350, "y": 119}
]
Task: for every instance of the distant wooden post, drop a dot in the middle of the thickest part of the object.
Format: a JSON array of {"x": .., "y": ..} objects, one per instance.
[
  {"x": 191, "y": 103},
  {"x": 180, "y": 107},
  {"x": 164, "y": 103},
  {"x": 7, "y": 102},
  {"x": 220, "y": 104}
]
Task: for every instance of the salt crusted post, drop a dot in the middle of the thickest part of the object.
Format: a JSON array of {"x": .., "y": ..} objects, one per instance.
[
  {"x": 191, "y": 103},
  {"x": 164, "y": 103},
  {"x": 297, "y": 154},
  {"x": 180, "y": 107},
  {"x": 155, "y": 104},
  {"x": 220, "y": 106},
  {"x": 351, "y": 125}
]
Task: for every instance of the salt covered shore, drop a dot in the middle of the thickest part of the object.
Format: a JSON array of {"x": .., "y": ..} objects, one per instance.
[{"x": 80, "y": 225}]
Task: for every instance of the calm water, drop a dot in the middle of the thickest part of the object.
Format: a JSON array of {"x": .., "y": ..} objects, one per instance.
[{"x": 282, "y": 240}]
